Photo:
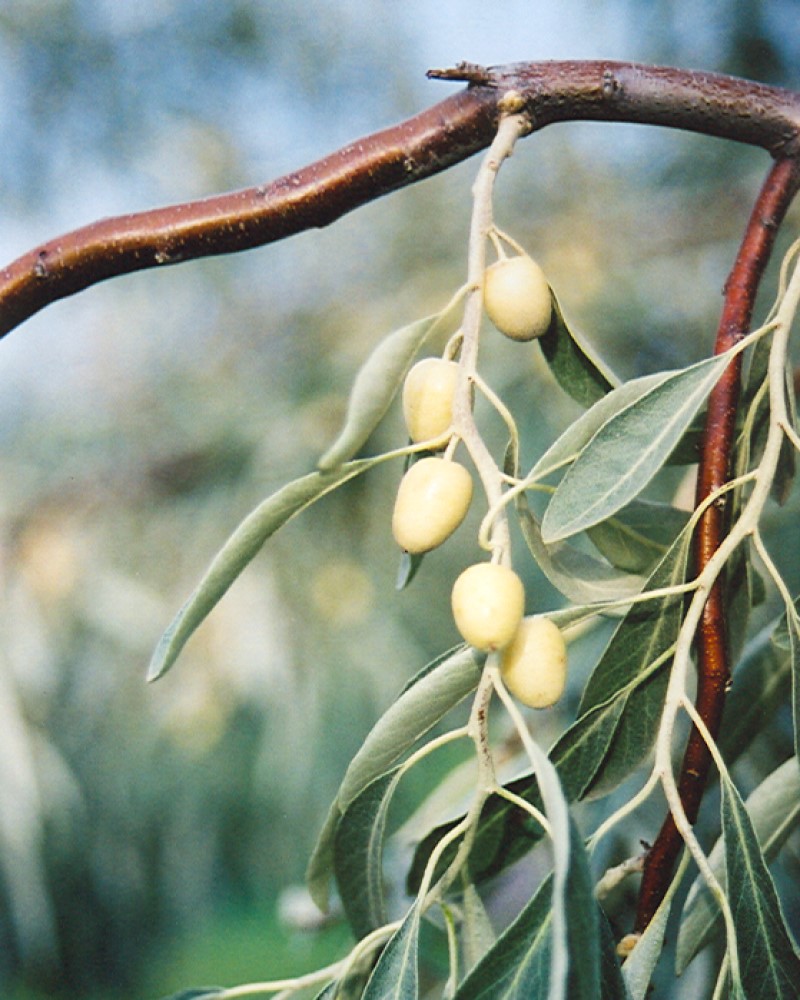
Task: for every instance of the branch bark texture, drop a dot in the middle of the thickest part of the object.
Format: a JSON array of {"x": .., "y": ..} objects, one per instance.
[{"x": 424, "y": 145}]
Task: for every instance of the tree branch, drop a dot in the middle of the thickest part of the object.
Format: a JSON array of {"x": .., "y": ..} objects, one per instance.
[
  {"x": 378, "y": 164},
  {"x": 713, "y": 668}
]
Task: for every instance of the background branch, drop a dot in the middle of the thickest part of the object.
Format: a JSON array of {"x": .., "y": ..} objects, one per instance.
[{"x": 426, "y": 144}]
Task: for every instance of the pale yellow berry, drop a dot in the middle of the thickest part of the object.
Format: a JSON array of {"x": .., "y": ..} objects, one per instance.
[
  {"x": 428, "y": 398},
  {"x": 534, "y": 664},
  {"x": 432, "y": 500},
  {"x": 517, "y": 297},
  {"x": 488, "y": 604}
]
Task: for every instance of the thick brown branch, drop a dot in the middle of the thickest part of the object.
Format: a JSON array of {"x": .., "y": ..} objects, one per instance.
[
  {"x": 713, "y": 668},
  {"x": 424, "y": 145}
]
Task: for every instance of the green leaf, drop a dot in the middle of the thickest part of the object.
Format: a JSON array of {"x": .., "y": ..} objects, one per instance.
[
  {"x": 774, "y": 809},
  {"x": 477, "y": 934},
  {"x": 638, "y": 968},
  {"x": 520, "y": 965},
  {"x": 358, "y": 854},
  {"x": 637, "y": 536},
  {"x": 578, "y": 371},
  {"x": 627, "y": 451},
  {"x": 577, "y": 575},
  {"x": 437, "y": 688},
  {"x": 768, "y": 964},
  {"x": 329, "y": 992},
  {"x": 580, "y": 432},
  {"x": 396, "y": 975},
  {"x": 376, "y": 385},
  {"x": 407, "y": 568},
  {"x": 761, "y": 684},
  {"x": 243, "y": 545},
  {"x": 420, "y": 706}
]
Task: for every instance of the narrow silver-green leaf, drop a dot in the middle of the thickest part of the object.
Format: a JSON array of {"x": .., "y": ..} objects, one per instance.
[
  {"x": 577, "y": 575},
  {"x": 577, "y": 369},
  {"x": 358, "y": 854},
  {"x": 375, "y": 387},
  {"x": 774, "y": 809},
  {"x": 437, "y": 688},
  {"x": 639, "y": 966},
  {"x": 627, "y": 451},
  {"x": 477, "y": 933},
  {"x": 416, "y": 710},
  {"x": 637, "y": 536},
  {"x": 768, "y": 963},
  {"x": 520, "y": 965},
  {"x": 320, "y": 865},
  {"x": 580, "y": 432},
  {"x": 240, "y": 549},
  {"x": 396, "y": 975}
]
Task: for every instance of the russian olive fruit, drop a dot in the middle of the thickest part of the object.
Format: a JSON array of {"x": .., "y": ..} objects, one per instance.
[
  {"x": 534, "y": 664},
  {"x": 432, "y": 500},
  {"x": 428, "y": 398},
  {"x": 517, "y": 297},
  {"x": 488, "y": 604}
]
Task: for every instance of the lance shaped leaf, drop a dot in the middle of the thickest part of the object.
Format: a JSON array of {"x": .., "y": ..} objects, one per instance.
[
  {"x": 577, "y": 575},
  {"x": 519, "y": 966},
  {"x": 627, "y": 451},
  {"x": 577, "y": 369},
  {"x": 768, "y": 963},
  {"x": 376, "y": 385},
  {"x": 243, "y": 545},
  {"x": 358, "y": 854},
  {"x": 396, "y": 975},
  {"x": 580, "y": 432},
  {"x": 774, "y": 810},
  {"x": 477, "y": 932},
  {"x": 437, "y": 688},
  {"x": 637, "y": 536}
]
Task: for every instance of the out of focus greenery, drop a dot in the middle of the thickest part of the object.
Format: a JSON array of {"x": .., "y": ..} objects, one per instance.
[{"x": 152, "y": 837}]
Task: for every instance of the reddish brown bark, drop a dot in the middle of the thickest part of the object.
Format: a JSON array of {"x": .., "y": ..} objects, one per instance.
[
  {"x": 713, "y": 668},
  {"x": 424, "y": 145}
]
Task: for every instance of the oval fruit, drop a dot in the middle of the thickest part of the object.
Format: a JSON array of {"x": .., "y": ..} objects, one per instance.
[
  {"x": 488, "y": 603},
  {"x": 534, "y": 664},
  {"x": 428, "y": 398},
  {"x": 432, "y": 500},
  {"x": 517, "y": 297}
]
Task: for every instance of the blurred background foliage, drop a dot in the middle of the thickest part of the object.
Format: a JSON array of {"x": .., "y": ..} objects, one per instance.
[{"x": 153, "y": 837}]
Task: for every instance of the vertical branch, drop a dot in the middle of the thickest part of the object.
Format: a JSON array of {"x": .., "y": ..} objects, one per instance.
[{"x": 713, "y": 667}]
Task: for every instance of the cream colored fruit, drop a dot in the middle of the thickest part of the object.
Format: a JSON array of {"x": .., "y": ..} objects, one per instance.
[
  {"x": 517, "y": 297},
  {"x": 488, "y": 603},
  {"x": 432, "y": 500},
  {"x": 428, "y": 393},
  {"x": 534, "y": 664}
]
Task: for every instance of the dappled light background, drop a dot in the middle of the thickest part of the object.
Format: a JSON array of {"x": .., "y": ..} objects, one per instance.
[{"x": 154, "y": 837}]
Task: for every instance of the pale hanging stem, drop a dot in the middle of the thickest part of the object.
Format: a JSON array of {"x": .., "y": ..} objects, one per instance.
[
  {"x": 527, "y": 807},
  {"x": 624, "y": 811},
  {"x": 777, "y": 579},
  {"x": 510, "y": 129},
  {"x": 745, "y": 526}
]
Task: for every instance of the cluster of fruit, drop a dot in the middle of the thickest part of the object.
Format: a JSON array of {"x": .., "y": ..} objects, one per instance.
[{"x": 488, "y": 598}]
